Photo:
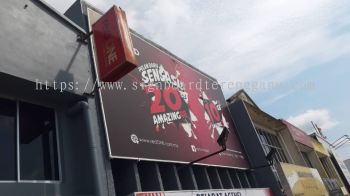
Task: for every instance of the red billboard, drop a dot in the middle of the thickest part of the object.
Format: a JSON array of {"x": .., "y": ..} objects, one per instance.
[
  {"x": 166, "y": 110},
  {"x": 298, "y": 135},
  {"x": 114, "y": 47}
]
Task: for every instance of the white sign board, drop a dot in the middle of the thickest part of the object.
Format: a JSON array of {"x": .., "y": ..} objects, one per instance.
[{"x": 226, "y": 192}]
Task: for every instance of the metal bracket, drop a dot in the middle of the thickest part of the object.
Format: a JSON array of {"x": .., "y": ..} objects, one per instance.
[{"x": 83, "y": 37}]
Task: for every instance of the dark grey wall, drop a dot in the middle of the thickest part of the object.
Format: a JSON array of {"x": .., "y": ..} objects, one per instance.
[
  {"x": 75, "y": 148},
  {"x": 36, "y": 44},
  {"x": 251, "y": 144}
]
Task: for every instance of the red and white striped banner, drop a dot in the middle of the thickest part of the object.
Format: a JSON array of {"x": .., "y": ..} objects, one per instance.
[{"x": 150, "y": 194}]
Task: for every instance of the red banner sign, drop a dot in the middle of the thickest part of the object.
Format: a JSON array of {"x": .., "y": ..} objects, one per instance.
[
  {"x": 298, "y": 135},
  {"x": 166, "y": 110},
  {"x": 114, "y": 47}
]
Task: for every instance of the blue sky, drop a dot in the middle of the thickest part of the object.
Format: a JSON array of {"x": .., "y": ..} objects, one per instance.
[
  {"x": 325, "y": 100},
  {"x": 297, "y": 51}
]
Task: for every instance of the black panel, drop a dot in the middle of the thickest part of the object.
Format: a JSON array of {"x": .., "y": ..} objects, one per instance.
[
  {"x": 214, "y": 178},
  {"x": 202, "y": 177},
  {"x": 149, "y": 176},
  {"x": 243, "y": 179},
  {"x": 225, "y": 178},
  {"x": 235, "y": 179},
  {"x": 187, "y": 179},
  {"x": 169, "y": 176},
  {"x": 251, "y": 144},
  {"x": 126, "y": 177}
]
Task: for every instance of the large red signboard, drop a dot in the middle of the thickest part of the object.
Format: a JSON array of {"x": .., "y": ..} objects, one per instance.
[
  {"x": 114, "y": 47},
  {"x": 166, "y": 110}
]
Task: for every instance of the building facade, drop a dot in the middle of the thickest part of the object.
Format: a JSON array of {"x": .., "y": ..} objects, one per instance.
[
  {"x": 300, "y": 159},
  {"x": 57, "y": 124},
  {"x": 50, "y": 129},
  {"x": 316, "y": 155},
  {"x": 54, "y": 133}
]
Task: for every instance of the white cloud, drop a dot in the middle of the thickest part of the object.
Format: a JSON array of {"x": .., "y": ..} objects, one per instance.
[
  {"x": 243, "y": 40},
  {"x": 321, "y": 117}
]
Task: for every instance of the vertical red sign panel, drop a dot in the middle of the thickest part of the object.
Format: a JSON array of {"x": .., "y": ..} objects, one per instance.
[
  {"x": 298, "y": 135},
  {"x": 114, "y": 46}
]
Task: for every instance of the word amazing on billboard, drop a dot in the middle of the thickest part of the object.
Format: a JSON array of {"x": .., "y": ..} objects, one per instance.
[
  {"x": 114, "y": 46},
  {"x": 165, "y": 110}
]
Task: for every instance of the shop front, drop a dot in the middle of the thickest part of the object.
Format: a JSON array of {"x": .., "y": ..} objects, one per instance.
[
  {"x": 315, "y": 155},
  {"x": 300, "y": 180},
  {"x": 330, "y": 176},
  {"x": 289, "y": 173},
  {"x": 167, "y": 115},
  {"x": 65, "y": 133}
]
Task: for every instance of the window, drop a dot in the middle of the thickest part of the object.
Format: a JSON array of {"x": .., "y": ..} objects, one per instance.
[
  {"x": 326, "y": 167},
  {"x": 8, "y": 152},
  {"x": 38, "y": 145},
  {"x": 269, "y": 141},
  {"x": 28, "y": 142},
  {"x": 306, "y": 158}
]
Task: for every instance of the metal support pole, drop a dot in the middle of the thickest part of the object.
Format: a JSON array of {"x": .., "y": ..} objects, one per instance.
[
  {"x": 338, "y": 140},
  {"x": 205, "y": 157},
  {"x": 342, "y": 143}
]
